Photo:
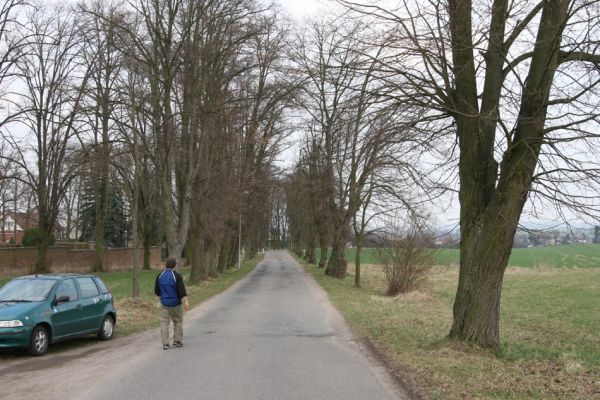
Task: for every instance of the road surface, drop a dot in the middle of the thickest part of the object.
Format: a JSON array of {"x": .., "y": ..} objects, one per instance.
[{"x": 273, "y": 335}]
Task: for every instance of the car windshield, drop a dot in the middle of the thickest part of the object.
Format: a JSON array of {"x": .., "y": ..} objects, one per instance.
[{"x": 26, "y": 290}]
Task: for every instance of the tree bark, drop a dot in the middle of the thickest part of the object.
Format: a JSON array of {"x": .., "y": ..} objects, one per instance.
[
  {"x": 337, "y": 264},
  {"x": 146, "y": 254},
  {"x": 198, "y": 265},
  {"x": 212, "y": 259},
  {"x": 357, "y": 262},
  {"x": 310, "y": 254},
  {"x": 490, "y": 213},
  {"x": 207, "y": 268},
  {"x": 324, "y": 251},
  {"x": 224, "y": 246},
  {"x": 41, "y": 266}
]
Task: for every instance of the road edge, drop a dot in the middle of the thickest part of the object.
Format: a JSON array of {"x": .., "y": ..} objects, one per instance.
[{"x": 398, "y": 381}]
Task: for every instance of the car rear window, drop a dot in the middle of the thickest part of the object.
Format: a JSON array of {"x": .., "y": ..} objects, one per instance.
[
  {"x": 88, "y": 287},
  {"x": 101, "y": 285}
]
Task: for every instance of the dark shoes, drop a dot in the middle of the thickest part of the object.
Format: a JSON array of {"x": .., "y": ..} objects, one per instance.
[
  {"x": 165, "y": 347},
  {"x": 177, "y": 344}
]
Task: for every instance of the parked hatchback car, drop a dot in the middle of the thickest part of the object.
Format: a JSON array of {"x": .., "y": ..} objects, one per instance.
[{"x": 42, "y": 309}]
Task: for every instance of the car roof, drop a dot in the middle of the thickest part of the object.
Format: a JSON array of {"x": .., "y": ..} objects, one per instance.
[{"x": 53, "y": 276}]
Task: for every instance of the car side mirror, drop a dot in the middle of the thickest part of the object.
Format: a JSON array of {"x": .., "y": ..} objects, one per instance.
[{"x": 62, "y": 299}]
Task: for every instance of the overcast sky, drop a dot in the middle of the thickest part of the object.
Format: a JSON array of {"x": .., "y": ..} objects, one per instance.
[{"x": 300, "y": 8}]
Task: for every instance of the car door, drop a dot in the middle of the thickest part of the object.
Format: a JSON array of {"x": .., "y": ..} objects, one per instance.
[
  {"x": 67, "y": 317},
  {"x": 92, "y": 307}
]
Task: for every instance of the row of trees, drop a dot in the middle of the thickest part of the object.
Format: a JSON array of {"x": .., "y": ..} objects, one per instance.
[
  {"x": 185, "y": 103},
  {"x": 179, "y": 104},
  {"x": 497, "y": 98},
  {"x": 361, "y": 148}
]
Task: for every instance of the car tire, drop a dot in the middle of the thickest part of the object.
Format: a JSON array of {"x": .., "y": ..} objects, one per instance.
[
  {"x": 107, "y": 329},
  {"x": 38, "y": 344}
]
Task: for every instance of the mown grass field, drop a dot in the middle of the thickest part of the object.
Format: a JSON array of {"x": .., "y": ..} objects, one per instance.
[
  {"x": 550, "y": 333},
  {"x": 135, "y": 315},
  {"x": 579, "y": 256}
]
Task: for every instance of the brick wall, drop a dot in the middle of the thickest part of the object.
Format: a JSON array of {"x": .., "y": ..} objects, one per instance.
[{"x": 21, "y": 260}]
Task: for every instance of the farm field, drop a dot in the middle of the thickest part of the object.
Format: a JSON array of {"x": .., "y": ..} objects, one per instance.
[
  {"x": 575, "y": 256},
  {"x": 549, "y": 333}
]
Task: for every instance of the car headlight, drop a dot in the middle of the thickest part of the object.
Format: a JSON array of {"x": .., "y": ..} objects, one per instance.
[{"x": 11, "y": 324}]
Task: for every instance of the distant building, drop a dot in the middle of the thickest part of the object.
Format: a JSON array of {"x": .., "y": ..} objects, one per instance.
[{"x": 14, "y": 225}]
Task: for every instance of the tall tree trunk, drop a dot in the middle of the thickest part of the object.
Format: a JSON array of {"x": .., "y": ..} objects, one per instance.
[
  {"x": 135, "y": 281},
  {"x": 206, "y": 259},
  {"x": 337, "y": 264},
  {"x": 212, "y": 259},
  {"x": 147, "y": 254},
  {"x": 233, "y": 253},
  {"x": 310, "y": 254},
  {"x": 102, "y": 189},
  {"x": 42, "y": 247},
  {"x": 490, "y": 217},
  {"x": 324, "y": 250},
  {"x": 359, "y": 247},
  {"x": 196, "y": 244},
  {"x": 223, "y": 250}
]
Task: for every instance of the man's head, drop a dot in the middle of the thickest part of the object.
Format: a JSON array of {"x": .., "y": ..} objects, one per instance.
[{"x": 171, "y": 263}]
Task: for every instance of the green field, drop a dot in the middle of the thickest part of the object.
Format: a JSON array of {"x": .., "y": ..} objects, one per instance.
[
  {"x": 579, "y": 256},
  {"x": 550, "y": 346}
]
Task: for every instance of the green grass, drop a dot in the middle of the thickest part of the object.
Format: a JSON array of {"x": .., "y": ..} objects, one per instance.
[
  {"x": 135, "y": 315},
  {"x": 138, "y": 315},
  {"x": 578, "y": 256},
  {"x": 549, "y": 333}
]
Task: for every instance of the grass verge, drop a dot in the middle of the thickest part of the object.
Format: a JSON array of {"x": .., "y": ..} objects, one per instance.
[
  {"x": 135, "y": 315},
  {"x": 549, "y": 333}
]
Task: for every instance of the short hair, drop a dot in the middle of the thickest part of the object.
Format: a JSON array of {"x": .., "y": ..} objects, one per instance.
[{"x": 171, "y": 263}]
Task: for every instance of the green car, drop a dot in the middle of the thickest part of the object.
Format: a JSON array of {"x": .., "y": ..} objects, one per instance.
[{"x": 38, "y": 310}]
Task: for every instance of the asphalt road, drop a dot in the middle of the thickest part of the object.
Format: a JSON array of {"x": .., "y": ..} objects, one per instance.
[{"x": 273, "y": 335}]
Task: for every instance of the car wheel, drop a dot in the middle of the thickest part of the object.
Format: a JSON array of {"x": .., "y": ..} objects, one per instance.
[
  {"x": 38, "y": 344},
  {"x": 107, "y": 329}
]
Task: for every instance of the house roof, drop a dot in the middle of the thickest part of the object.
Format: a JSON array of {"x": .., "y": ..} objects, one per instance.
[{"x": 25, "y": 220}]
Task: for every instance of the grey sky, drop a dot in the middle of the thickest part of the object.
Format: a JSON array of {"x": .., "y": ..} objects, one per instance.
[{"x": 300, "y": 8}]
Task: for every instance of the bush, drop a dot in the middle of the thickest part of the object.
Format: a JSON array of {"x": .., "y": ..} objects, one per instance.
[
  {"x": 31, "y": 237},
  {"x": 405, "y": 258}
]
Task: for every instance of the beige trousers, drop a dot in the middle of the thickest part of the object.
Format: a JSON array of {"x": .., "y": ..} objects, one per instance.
[{"x": 166, "y": 315}]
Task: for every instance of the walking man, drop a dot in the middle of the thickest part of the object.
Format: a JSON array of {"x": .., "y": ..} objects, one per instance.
[{"x": 171, "y": 290}]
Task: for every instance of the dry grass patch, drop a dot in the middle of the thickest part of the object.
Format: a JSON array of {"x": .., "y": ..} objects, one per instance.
[
  {"x": 136, "y": 314},
  {"x": 549, "y": 333}
]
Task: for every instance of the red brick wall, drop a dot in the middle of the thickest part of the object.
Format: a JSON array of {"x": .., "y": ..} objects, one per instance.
[
  {"x": 7, "y": 235},
  {"x": 21, "y": 260}
]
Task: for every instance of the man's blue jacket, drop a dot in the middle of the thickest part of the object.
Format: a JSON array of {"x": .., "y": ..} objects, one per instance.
[{"x": 169, "y": 286}]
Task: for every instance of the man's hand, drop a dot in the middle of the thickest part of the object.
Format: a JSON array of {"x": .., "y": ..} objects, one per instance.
[{"x": 186, "y": 303}]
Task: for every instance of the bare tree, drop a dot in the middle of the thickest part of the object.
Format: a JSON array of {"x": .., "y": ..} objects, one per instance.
[
  {"x": 515, "y": 81},
  {"x": 156, "y": 33},
  {"x": 103, "y": 57},
  {"x": 299, "y": 210},
  {"x": 267, "y": 90},
  {"x": 10, "y": 48},
  {"x": 357, "y": 132},
  {"x": 50, "y": 70}
]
